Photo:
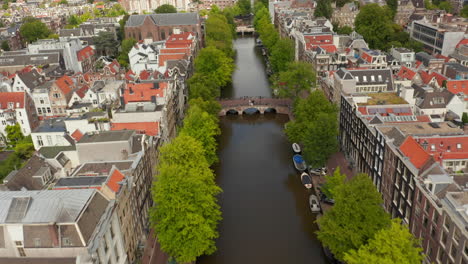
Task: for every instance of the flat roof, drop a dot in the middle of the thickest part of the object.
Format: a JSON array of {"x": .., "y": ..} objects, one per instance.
[
  {"x": 383, "y": 99},
  {"x": 422, "y": 128},
  {"x": 51, "y": 125},
  {"x": 107, "y": 136}
]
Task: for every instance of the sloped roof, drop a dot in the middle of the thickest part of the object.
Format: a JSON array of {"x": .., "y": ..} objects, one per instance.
[
  {"x": 17, "y": 98},
  {"x": 148, "y": 128},
  {"x": 416, "y": 154},
  {"x": 164, "y": 19},
  {"x": 114, "y": 179},
  {"x": 77, "y": 135},
  {"x": 65, "y": 84},
  {"x": 406, "y": 73},
  {"x": 85, "y": 53},
  {"x": 31, "y": 78},
  {"x": 23, "y": 178}
]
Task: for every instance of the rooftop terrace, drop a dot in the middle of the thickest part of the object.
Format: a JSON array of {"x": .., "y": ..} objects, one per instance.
[{"x": 383, "y": 99}]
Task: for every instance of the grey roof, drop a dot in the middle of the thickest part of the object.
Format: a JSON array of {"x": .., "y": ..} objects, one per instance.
[
  {"x": 70, "y": 32},
  {"x": 52, "y": 152},
  {"x": 107, "y": 136},
  {"x": 30, "y": 59},
  {"x": 164, "y": 19},
  {"x": 397, "y": 136},
  {"x": 85, "y": 181},
  {"x": 23, "y": 178},
  {"x": 432, "y": 99},
  {"x": 456, "y": 66},
  {"x": 43, "y": 206},
  {"x": 101, "y": 168},
  {"x": 380, "y": 76},
  {"x": 38, "y": 260},
  {"x": 344, "y": 74},
  {"x": 51, "y": 125},
  {"x": 32, "y": 78}
]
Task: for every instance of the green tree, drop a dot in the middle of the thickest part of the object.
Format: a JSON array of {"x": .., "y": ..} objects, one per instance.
[
  {"x": 298, "y": 77},
  {"x": 214, "y": 64},
  {"x": 186, "y": 213},
  {"x": 333, "y": 182},
  {"x": 203, "y": 86},
  {"x": 316, "y": 127},
  {"x": 282, "y": 54},
  {"x": 24, "y": 148},
  {"x": 219, "y": 33},
  {"x": 63, "y": 2},
  {"x": 429, "y": 5},
  {"x": 126, "y": 46},
  {"x": 12, "y": 162},
  {"x": 464, "y": 11},
  {"x": 465, "y": 118},
  {"x": 5, "y": 46},
  {"x": 341, "y": 3},
  {"x": 212, "y": 107},
  {"x": 323, "y": 9},
  {"x": 33, "y": 29},
  {"x": 375, "y": 24},
  {"x": 164, "y": 9},
  {"x": 122, "y": 22},
  {"x": 244, "y": 6},
  {"x": 445, "y": 5},
  {"x": 393, "y": 5},
  {"x": 390, "y": 245},
  {"x": 345, "y": 30},
  {"x": 106, "y": 45},
  {"x": 14, "y": 134},
  {"x": 74, "y": 21},
  {"x": 5, "y": 6},
  {"x": 53, "y": 36},
  {"x": 203, "y": 127},
  {"x": 354, "y": 219}
]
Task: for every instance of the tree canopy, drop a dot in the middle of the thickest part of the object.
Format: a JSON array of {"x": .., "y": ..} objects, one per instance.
[
  {"x": 316, "y": 127},
  {"x": 5, "y": 46},
  {"x": 374, "y": 23},
  {"x": 166, "y": 8},
  {"x": 464, "y": 11},
  {"x": 282, "y": 54},
  {"x": 106, "y": 44},
  {"x": 215, "y": 64},
  {"x": 33, "y": 29},
  {"x": 219, "y": 33},
  {"x": 244, "y": 7},
  {"x": 186, "y": 213},
  {"x": 323, "y": 9},
  {"x": 297, "y": 77},
  {"x": 203, "y": 127},
  {"x": 390, "y": 245},
  {"x": 14, "y": 134},
  {"x": 126, "y": 46},
  {"x": 354, "y": 219},
  {"x": 333, "y": 182}
]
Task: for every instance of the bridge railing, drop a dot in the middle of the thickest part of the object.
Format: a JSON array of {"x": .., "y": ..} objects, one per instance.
[{"x": 255, "y": 101}]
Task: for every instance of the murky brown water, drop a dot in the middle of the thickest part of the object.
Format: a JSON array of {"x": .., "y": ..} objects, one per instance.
[{"x": 266, "y": 218}]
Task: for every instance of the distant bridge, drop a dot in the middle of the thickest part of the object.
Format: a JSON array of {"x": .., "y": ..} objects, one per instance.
[
  {"x": 245, "y": 29},
  {"x": 259, "y": 104}
]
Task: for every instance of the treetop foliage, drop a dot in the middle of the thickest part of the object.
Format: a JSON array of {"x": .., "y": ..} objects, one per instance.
[
  {"x": 33, "y": 29},
  {"x": 165, "y": 8}
]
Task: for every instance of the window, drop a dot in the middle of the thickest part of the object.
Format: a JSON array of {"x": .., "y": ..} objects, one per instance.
[
  {"x": 4, "y": 122},
  {"x": 39, "y": 141},
  {"x": 458, "y": 145},
  {"x": 425, "y": 221},
  {"x": 19, "y": 113},
  {"x": 441, "y": 254},
  {"x": 49, "y": 140},
  {"x": 453, "y": 251},
  {"x": 447, "y": 223},
  {"x": 18, "y": 243},
  {"x": 56, "y": 95},
  {"x": 21, "y": 252},
  {"x": 66, "y": 242},
  {"x": 37, "y": 242},
  {"x": 112, "y": 232},
  {"x": 48, "y": 110},
  {"x": 456, "y": 236},
  {"x": 443, "y": 239},
  {"x": 39, "y": 111}
]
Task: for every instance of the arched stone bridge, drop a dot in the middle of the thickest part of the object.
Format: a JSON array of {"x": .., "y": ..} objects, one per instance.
[{"x": 239, "y": 105}]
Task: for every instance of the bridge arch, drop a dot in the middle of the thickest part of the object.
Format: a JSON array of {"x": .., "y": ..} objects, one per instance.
[{"x": 263, "y": 105}]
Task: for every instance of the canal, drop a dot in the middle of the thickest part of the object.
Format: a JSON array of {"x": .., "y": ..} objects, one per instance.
[{"x": 266, "y": 218}]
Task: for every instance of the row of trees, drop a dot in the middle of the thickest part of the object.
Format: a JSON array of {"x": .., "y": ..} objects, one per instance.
[
  {"x": 358, "y": 230},
  {"x": 186, "y": 212},
  {"x": 281, "y": 51},
  {"x": 114, "y": 11}
]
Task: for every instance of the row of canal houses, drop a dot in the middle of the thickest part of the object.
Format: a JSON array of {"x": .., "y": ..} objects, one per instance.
[
  {"x": 85, "y": 194},
  {"x": 400, "y": 122}
]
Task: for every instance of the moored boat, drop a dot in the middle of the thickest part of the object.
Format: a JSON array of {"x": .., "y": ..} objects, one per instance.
[
  {"x": 296, "y": 148},
  {"x": 306, "y": 180},
  {"x": 299, "y": 163},
  {"x": 314, "y": 204}
]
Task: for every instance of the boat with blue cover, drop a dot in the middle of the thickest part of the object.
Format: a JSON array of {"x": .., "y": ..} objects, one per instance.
[{"x": 299, "y": 163}]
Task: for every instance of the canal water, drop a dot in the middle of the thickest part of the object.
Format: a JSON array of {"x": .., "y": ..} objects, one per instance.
[{"x": 266, "y": 218}]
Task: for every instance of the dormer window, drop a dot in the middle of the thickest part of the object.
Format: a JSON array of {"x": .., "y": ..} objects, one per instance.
[
  {"x": 11, "y": 105},
  {"x": 372, "y": 78},
  {"x": 432, "y": 147},
  {"x": 458, "y": 145}
]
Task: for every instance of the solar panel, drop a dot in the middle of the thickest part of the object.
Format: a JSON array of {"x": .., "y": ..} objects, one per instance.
[{"x": 18, "y": 209}]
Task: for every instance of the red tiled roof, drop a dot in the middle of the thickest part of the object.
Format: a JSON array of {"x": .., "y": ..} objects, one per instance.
[
  {"x": 406, "y": 73},
  {"x": 142, "y": 92},
  {"x": 179, "y": 40},
  {"x": 65, "y": 83},
  {"x": 462, "y": 42},
  {"x": 12, "y": 97},
  {"x": 427, "y": 77},
  {"x": 164, "y": 57},
  {"x": 440, "y": 56},
  {"x": 144, "y": 75},
  {"x": 418, "y": 63},
  {"x": 457, "y": 86},
  {"x": 114, "y": 179},
  {"x": 85, "y": 53},
  {"x": 317, "y": 40},
  {"x": 148, "y": 128},
  {"x": 416, "y": 154},
  {"x": 77, "y": 135},
  {"x": 175, "y": 50},
  {"x": 114, "y": 66},
  {"x": 328, "y": 48},
  {"x": 130, "y": 75},
  {"x": 82, "y": 91},
  {"x": 446, "y": 147}
]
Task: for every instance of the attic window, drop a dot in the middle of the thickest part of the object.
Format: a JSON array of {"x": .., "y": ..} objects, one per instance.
[
  {"x": 380, "y": 78},
  {"x": 357, "y": 78},
  {"x": 458, "y": 145},
  {"x": 365, "y": 78},
  {"x": 372, "y": 78},
  {"x": 432, "y": 147}
]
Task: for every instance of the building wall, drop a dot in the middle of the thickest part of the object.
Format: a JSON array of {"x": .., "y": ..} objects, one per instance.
[
  {"x": 49, "y": 139},
  {"x": 148, "y": 30}
]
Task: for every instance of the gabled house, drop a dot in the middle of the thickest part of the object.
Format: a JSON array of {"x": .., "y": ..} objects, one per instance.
[
  {"x": 60, "y": 94},
  {"x": 27, "y": 81},
  {"x": 437, "y": 103}
]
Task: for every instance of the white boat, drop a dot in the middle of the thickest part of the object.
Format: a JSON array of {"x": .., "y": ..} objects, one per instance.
[
  {"x": 314, "y": 204},
  {"x": 296, "y": 148},
  {"x": 306, "y": 180}
]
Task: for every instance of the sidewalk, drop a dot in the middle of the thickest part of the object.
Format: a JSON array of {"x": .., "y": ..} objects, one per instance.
[{"x": 153, "y": 253}]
